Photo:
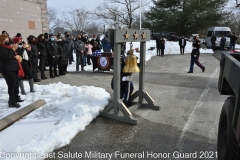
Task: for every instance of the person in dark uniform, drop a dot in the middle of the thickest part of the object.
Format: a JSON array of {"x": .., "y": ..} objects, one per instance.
[
  {"x": 52, "y": 54},
  {"x": 182, "y": 43},
  {"x": 32, "y": 40},
  {"x": 213, "y": 41},
  {"x": 158, "y": 45},
  {"x": 24, "y": 51},
  {"x": 162, "y": 42},
  {"x": 43, "y": 54},
  {"x": 9, "y": 69},
  {"x": 195, "y": 55},
  {"x": 124, "y": 83}
]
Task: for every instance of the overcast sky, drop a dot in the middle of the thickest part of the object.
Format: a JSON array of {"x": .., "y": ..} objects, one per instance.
[{"x": 62, "y": 5}]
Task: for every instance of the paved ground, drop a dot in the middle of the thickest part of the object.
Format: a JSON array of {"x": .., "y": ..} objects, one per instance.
[{"x": 186, "y": 125}]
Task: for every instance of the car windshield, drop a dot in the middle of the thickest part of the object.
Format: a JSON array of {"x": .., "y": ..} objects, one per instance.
[{"x": 221, "y": 33}]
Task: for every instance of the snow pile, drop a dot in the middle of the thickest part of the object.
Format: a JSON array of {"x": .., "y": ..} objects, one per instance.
[{"x": 68, "y": 110}]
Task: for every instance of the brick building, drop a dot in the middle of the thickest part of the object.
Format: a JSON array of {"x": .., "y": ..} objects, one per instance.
[{"x": 28, "y": 17}]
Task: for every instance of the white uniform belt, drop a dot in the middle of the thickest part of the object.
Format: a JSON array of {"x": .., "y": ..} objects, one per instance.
[{"x": 194, "y": 47}]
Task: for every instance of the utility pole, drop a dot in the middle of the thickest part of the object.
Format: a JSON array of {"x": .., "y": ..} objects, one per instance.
[{"x": 140, "y": 14}]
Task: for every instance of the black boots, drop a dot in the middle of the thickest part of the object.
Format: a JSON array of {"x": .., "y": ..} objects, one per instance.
[{"x": 13, "y": 104}]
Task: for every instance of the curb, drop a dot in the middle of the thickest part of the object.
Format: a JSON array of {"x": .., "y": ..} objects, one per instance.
[{"x": 12, "y": 118}]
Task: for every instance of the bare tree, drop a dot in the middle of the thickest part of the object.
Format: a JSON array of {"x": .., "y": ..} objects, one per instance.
[
  {"x": 76, "y": 19},
  {"x": 121, "y": 11},
  {"x": 53, "y": 21}
]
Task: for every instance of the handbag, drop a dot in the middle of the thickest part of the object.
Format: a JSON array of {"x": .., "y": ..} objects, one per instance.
[{"x": 20, "y": 70}]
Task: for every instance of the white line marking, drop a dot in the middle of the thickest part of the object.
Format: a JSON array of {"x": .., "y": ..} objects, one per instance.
[{"x": 191, "y": 116}]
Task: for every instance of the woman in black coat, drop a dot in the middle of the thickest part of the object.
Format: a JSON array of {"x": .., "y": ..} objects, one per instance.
[
  {"x": 32, "y": 40},
  {"x": 24, "y": 51},
  {"x": 158, "y": 45},
  {"x": 162, "y": 42},
  {"x": 9, "y": 69},
  {"x": 42, "y": 48}
]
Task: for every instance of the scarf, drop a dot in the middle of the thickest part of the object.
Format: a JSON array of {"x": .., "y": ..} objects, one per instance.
[
  {"x": 8, "y": 47},
  {"x": 25, "y": 55}
]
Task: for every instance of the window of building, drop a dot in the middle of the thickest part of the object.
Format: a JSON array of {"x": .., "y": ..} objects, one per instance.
[{"x": 31, "y": 25}]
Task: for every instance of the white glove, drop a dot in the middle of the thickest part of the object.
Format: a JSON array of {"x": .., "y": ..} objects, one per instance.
[{"x": 127, "y": 78}]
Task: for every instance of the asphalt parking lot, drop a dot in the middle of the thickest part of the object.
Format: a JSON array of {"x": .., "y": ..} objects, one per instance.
[{"x": 185, "y": 126}]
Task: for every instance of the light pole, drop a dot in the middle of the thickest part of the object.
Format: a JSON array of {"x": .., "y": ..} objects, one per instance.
[{"x": 140, "y": 14}]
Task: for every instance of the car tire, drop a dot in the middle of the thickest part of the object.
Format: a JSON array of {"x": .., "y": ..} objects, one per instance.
[{"x": 227, "y": 146}]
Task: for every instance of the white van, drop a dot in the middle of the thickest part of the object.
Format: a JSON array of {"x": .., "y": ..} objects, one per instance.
[{"x": 219, "y": 32}]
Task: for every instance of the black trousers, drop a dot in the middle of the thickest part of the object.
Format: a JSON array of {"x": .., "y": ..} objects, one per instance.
[
  {"x": 27, "y": 70},
  {"x": 53, "y": 65},
  {"x": 80, "y": 61},
  {"x": 213, "y": 45},
  {"x": 162, "y": 52},
  {"x": 11, "y": 79},
  {"x": 182, "y": 49},
  {"x": 88, "y": 59},
  {"x": 34, "y": 63},
  {"x": 158, "y": 51},
  {"x": 42, "y": 66},
  {"x": 70, "y": 55}
]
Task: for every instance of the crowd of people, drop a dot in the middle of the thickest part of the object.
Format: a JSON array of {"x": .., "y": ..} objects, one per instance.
[{"x": 33, "y": 55}]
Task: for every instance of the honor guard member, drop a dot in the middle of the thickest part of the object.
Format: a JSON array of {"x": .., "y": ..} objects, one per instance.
[{"x": 195, "y": 55}]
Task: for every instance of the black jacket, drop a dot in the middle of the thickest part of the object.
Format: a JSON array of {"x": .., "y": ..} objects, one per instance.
[
  {"x": 52, "y": 49},
  {"x": 213, "y": 39},
  {"x": 34, "y": 51},
  {"x": 162, "y": 42},
  {"x": 184, "y": 42},
  {"x": 42, "y": 48},
  {"x": 233, "y": 39},
  {"x": 7, "y": 61},
  {"x": 196, "y": 47},
  {"x": 158, "y": 44},
  {"x": 20, "y": 53},
  {"x": 63, "y": 56}
]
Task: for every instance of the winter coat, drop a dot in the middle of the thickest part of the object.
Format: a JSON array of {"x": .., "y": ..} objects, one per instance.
[
  {"x": 158, "y": 43},
  {"x": 69, "y": 45},
  {"x": 162, "y": 42},
  {"x": 106, "y": 45},
  {"x": 63, "y": 56},
  {"x": 184, "y": 42},
  {"x": 233, "y": 39},
  {"x": 42, "y": 48},
  {"x": 34, "y": 51},
  {"x": 213, "y": 39},
  {"x": 223, "y": 40},
  {"x": 52, "y": 48},
  {"x": 79, "y": 46},
  {"x": 20, "y": 53},
  {"x": 7, "y": 61}
]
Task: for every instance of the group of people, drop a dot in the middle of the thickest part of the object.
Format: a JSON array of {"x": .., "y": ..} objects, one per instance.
[
  {"x": 57, "y": 50},
  {"x": 233, "y": 41}
]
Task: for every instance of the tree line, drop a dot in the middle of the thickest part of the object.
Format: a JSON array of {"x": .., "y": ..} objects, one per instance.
[{"x": 182, "y": 16}]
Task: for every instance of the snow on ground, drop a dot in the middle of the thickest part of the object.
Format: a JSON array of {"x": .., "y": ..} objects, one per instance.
[{"x": 68, "y": 110}]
